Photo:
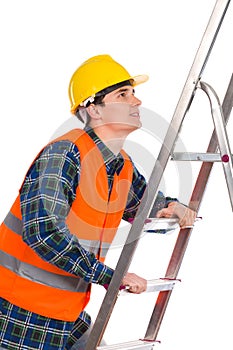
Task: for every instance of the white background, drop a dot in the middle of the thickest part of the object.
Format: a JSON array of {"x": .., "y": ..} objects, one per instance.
[{"x": 42, "y": 43}]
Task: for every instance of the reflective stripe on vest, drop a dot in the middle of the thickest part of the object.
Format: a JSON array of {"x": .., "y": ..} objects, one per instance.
[
  {"x": 35, "y": 274},
  {"x": 15, "y": 225}
]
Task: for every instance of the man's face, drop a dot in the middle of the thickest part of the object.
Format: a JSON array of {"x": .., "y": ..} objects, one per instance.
[{"x": 121, "y": 110}]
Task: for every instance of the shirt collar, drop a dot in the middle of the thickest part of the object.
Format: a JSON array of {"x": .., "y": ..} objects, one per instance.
[{"x": 113, "y": 162}]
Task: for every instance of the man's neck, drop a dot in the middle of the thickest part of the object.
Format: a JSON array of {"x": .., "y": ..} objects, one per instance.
[{"x": 113, "y": 141}]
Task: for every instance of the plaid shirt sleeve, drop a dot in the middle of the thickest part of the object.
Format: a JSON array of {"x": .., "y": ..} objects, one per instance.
[
  {"x": 47, "y": 193},
  {"x": 135, "y": 195}
]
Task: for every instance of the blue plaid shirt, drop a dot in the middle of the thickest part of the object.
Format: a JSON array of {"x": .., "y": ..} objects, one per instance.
[{"x": 46, "y": 197}]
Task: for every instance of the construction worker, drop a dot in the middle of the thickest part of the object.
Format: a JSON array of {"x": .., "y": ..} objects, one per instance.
[{"x": 54, "y": 240}]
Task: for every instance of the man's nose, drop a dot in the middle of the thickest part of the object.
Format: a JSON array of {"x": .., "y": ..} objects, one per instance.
[{"x": 136, "y": 101}]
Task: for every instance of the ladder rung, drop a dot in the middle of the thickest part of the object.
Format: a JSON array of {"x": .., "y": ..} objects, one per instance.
[
  {"x": 156, "y": 285},
  {"x": 192, "y": 156},
  {"x": 161, "y": 225},
  {"x": 137, "y": 344}
]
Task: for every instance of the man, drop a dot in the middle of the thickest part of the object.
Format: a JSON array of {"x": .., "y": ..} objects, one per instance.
[{"x": 55, "y": 238}]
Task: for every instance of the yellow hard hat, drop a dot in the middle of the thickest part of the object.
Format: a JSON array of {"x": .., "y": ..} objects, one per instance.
[{"x": 96, "y": 74}]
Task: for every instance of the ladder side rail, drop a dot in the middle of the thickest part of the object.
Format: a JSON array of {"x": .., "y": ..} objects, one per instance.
[
  {"x": 206, "y": 168},
  {"x": 184, "y": 102},
  {"x": 164, "y": 296},
  {"x": 184, "y": 235},
  {"x": 222, "y": 137}
]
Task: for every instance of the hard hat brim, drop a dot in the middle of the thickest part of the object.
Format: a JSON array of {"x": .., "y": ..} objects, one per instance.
[{"x": 139, "y": 79}]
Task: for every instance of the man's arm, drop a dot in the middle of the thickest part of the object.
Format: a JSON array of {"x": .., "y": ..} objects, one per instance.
[{"x": 163, "y": 206}]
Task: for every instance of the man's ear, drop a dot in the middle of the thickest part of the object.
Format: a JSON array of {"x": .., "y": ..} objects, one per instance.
[{"x": 93, "y": 111}]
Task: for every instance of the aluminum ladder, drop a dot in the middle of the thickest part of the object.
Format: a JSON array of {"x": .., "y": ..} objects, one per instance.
[{"x": 219, "y": 141}]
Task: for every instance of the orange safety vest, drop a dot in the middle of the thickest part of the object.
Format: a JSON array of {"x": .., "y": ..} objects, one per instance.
[{"x": 38, "y": 286}]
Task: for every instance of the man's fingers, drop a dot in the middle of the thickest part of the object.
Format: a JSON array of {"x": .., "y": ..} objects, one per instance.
[{"x": 135, "y": 283}]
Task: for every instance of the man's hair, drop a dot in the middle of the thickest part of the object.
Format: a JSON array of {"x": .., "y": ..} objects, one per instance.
[{"x": 97, "y": 101}]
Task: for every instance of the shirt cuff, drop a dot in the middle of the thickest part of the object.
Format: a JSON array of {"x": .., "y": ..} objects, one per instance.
[{"x": 102, "y": 274}]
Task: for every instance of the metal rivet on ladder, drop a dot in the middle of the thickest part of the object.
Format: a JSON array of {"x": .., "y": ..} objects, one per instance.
[{"x": 225, "y": 158}]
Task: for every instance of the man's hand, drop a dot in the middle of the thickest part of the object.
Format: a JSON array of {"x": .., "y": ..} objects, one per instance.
[
  {"x": 175, "y": 209},
  {"x": 135, "y": 283}
]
